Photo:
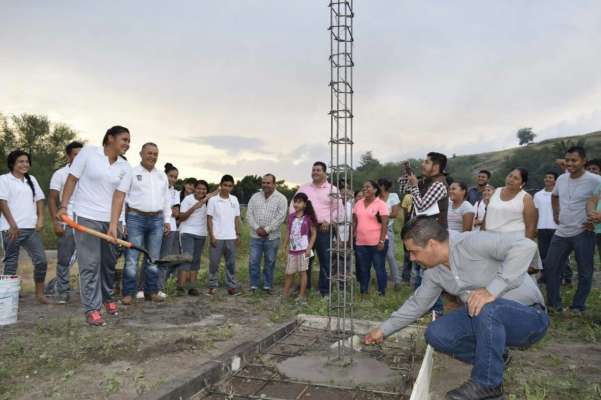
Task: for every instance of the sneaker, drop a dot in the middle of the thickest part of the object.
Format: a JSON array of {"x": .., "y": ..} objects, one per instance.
[
  {"x": 162, "y": 294},
  {"x": 140, "y": 295},
  {"x": 233, "y": 292},
  {"x": 62, "y": 298},
  {"x": 193, "y": 292},
  {"x": 154, "y": 297},
  {"x": 127, "y": 301},
  {"x": 111, "y": 308},
  {"x": 211, "y": 292},
  {"x": 507, "y": 358},
  {"x": 94, "y": 318},
  {"x": 576, "y": 311},
  {"x": 268, "y": 290},
  {"x": 253, "y": 289},
  {"x": 472, "y": 391}
]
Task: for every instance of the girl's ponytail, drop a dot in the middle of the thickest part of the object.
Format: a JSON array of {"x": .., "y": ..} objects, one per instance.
[{"x": 30, "y": 183}]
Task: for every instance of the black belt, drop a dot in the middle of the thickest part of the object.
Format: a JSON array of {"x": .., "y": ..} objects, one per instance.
[{"x": 145, "y": 213}]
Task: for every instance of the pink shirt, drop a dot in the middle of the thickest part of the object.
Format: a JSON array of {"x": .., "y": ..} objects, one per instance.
[
  {"x": 368, "y": 227},
  {"x": 321, "y": 200}
]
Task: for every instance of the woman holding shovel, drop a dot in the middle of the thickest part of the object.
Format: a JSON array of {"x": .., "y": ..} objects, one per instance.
[{"x": 103, "y": 178}]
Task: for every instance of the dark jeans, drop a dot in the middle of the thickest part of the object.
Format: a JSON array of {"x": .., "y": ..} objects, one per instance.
[
  {"x": 559, "y": 249},
  {"x": 482, "y": 340},
  {"x": 438, "y": 306},
  {"x": 322, "y": 248},
  {"x": 407, "y": 265},
  {"x": 544, "y": 241},
  {"x": 146, "y": 232},
  {"x": 366, "y": 257}
]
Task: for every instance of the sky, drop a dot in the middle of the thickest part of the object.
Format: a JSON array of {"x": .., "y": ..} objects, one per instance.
[{"x": 241, "y": 87}]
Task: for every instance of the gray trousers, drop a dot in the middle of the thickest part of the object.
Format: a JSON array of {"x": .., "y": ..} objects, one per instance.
[
  {"x": 170, "y": 246},
  {"x": 31, "y": 241},
  {"x": 96, "y": 259},
  {"x": 227, "y": 248},
  {"x": 65, "y": 256},
  {"x": 391, "y": 257}
]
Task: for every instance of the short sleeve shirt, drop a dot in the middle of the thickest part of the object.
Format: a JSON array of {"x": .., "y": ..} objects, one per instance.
[
  {"x": 368, "y": 227},
  {"x": 455, "y": 215},
  {"x": 542, "y": 202},
  {"x": 573, "y": 196},
  {"x": 224, "y": 213},
  {"x": 196, "y": 224},
  {"x": 598, "y": 195},
  {"x": 98, "y": 181},
  {"x": 21, "y": 201},
  {"x": 393, "y": 200},
  {"x": 57, "y": 183},
  {"x": 174, "y": 201}
]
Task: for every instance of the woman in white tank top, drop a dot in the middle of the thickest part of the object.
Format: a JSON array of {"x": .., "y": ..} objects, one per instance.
[{"x": 511, "y": 209}]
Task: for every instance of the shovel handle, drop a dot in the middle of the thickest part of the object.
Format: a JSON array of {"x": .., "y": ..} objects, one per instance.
[{"x": 100, "y": 235}]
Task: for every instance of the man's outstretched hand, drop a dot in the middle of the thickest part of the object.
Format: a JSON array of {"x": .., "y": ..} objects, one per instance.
[
  {"x": 478, "y": 299},
  {"x": 375, "y": 336}
]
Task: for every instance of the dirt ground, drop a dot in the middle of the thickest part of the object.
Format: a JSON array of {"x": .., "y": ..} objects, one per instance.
[{"x": 52, "y": 353}]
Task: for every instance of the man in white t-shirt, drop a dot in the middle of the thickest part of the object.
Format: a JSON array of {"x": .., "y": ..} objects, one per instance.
[
  {"x": 546, "y": 225},
  {"x": 223, "y": 223},
  {"x": 65, "y": 254}
]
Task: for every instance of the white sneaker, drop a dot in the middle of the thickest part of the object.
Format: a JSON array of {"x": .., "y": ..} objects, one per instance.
[
  {"x": 162, "y": 295},
  {"x": 140, "y": 295}
]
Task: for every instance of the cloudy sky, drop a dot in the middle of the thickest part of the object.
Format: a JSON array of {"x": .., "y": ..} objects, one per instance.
[{"x": 242, "y": 86}]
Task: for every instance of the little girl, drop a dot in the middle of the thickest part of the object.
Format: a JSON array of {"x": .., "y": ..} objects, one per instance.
[{"x": 302, "y": 231}]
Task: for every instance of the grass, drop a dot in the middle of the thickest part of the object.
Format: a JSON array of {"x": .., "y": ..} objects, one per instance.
[{"x": 64, "y": 345}]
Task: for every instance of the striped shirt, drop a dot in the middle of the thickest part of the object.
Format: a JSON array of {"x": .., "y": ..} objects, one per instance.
[{"x": 267, "y": 213}]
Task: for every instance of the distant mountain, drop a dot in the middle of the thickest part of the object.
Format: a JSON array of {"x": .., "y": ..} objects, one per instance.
[{"x": 537, "y": 158}]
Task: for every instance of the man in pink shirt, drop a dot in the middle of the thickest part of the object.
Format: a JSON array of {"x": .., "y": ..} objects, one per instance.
[{"x": 326, "y": 209}]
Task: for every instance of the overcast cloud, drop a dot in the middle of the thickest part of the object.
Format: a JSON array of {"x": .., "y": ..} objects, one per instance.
[{"x": 242, "y": 86}]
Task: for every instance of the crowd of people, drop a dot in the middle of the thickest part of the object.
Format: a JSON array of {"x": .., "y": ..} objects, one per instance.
[{"x": 520, "y": 236}]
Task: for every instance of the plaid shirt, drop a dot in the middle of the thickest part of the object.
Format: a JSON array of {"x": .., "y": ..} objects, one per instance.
[
  {"x": 267, "y": 213},
  {"x": 435, "y": 193}
]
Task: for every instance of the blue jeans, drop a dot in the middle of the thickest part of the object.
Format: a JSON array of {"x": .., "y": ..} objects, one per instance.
[
  {"x": 366, "y": 256},
  {"x": 407, "y": 265},
  {"x": 559, "y": 249},
  {"x": 482, "y": 340},
  {"x": 146, "y": 232},
  {"x": 268, "y": 249}
]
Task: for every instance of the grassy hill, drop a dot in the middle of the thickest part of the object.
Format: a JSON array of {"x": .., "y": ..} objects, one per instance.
[{"x": 537, "y": 158}]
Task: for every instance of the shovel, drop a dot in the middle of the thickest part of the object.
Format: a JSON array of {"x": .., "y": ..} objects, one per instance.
[{"x": 169, "y": 260}]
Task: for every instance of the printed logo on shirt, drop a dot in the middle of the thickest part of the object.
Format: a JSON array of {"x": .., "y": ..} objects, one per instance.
[
  {"x": 139, "y": 178},
  {"x": 121, "y": 174}
]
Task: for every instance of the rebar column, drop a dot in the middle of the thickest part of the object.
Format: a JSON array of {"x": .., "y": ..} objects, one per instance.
[{"x": 340, "y": 301}]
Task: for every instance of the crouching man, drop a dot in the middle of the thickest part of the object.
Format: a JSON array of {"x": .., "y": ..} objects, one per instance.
[{"x": 503, "y": 305}]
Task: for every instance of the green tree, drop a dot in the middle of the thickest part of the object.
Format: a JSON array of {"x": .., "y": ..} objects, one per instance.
[
  {"x": 560, "y": 147},
  {"x": 368, "y": 162},
  {"x": 44, "y": 140},
  {"x": 525, "y": 136},
  {"x": 246, "y": 187}
]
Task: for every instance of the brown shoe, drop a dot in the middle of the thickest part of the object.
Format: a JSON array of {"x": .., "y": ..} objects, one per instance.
[
  {"x": 127, "y": 301},
  {"x": 154, "y": 297}
]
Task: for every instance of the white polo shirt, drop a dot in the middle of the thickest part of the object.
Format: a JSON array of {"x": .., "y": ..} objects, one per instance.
[
  {"x": 224, "y": 213},
  {"x": 57, "y": 183},
  {"x": 20, "y": 199},
  {"x": 98, "y": 181},
  {"x": 149, "y": 192},
  {"x": 196, "y": 224},
  {"x": 174, "y": 200}
]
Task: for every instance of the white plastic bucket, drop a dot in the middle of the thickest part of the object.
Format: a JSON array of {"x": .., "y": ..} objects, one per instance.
[{"x": 9, "y": 298}]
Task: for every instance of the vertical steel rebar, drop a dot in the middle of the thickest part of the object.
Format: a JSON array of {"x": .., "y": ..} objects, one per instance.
[{"x": 341, "y": 284}]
